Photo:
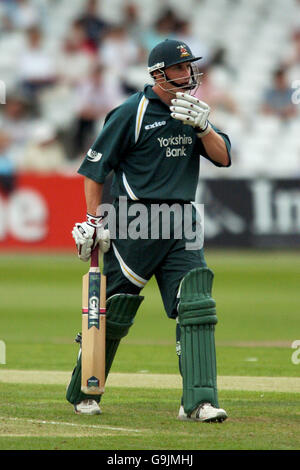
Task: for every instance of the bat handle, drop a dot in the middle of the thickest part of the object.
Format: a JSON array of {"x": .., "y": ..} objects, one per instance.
[{"x": 95, "y": 257}]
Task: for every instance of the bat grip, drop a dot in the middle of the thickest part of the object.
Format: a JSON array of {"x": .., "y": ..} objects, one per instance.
[{"x": 95, "y": 257}]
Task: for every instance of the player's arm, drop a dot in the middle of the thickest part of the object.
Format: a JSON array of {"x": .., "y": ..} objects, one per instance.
[
  {"x": 216, "y": 148},
  {"x": 93, "y": 195},
  {"x": 103, "y": 157}
]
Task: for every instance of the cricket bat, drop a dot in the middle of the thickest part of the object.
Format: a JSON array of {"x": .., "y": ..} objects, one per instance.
[{"x": 93, "y": 328}]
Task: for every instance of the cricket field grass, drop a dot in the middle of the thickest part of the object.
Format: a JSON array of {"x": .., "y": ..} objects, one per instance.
[{"x": 258, "y": 299}]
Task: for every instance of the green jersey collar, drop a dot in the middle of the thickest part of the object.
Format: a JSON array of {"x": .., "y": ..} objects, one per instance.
[{"x": 150, "y": 94}]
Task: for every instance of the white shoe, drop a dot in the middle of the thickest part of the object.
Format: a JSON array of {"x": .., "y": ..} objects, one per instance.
[
  {"x": 87, "y": 407},
  {"x": 204, "y": 412}
]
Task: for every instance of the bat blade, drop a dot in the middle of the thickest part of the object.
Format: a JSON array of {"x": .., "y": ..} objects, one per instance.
[{"x": 93, "y": 331}]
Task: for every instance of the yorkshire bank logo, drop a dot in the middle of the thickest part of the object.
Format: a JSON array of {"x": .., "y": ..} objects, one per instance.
[
  {"x": 179, "y": 140},
  {"x": 176, "y": 140},
  {"x": 180, "y": 152}
]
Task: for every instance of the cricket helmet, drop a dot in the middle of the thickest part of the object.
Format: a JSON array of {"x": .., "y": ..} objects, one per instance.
[{"x": 171, "y": 52}]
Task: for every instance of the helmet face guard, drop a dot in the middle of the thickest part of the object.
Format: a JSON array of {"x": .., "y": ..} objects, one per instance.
[{"x": 194, "y": 80}]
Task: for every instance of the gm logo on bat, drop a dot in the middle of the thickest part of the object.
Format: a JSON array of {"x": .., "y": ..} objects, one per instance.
[{"x": 94, "y": 311}]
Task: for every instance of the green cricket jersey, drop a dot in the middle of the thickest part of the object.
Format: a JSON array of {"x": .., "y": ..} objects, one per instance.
[{"x": 153, "y": 156}]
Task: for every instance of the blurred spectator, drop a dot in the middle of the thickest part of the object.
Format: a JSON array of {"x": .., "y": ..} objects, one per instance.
[
  {"x": 79, "y": 39},
  {"x": 132, "y": 21},
  {"x": 22, "y": 14},
  {"x": 44, "y": 153},
  {"x": 7, "y": 167},
  {"x": 94, "y": 26},
  {"x": 5, "y": 22},
  {"x": 292, "y": 63},
  {"x": 277, "y": 99},
  {"x": 217, "y": 97},
  {"x": 223, "y": 72},
  {"x": 16, "y": 121},
  {"x": 134, "y": 29},
  {"x": 37, "y": 68},
  {"x": 71, "y": 59},
  {"x": 118, "y": 52},
  {"x": 164, "y": 27},
  {"x": 96, "y": 95}
]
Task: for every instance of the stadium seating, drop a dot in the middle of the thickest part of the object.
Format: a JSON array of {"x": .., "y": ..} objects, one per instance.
[{"x": 255, "y": 34}]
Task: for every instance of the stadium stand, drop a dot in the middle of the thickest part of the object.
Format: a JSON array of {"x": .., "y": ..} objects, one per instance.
[{"x": 243, "y": 42}]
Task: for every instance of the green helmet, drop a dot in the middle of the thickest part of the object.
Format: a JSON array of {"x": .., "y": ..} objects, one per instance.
[{"x": 169, "y": 52}]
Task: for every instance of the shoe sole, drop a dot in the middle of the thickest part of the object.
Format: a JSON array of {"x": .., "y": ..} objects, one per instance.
[
  {"x": 219, "y": 419},
  {"x": 216, "y": 419},
  {"x": 96, "y": 412},
  {"x": 87, "y": 414}
]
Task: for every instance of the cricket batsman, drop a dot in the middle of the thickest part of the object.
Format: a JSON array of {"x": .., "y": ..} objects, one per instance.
[{"x": 153, "y": 143}]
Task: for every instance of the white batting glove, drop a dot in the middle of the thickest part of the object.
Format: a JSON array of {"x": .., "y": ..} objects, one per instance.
[
  {"x": 191, "y": 111},
  {"x": 88, "y": 234}
]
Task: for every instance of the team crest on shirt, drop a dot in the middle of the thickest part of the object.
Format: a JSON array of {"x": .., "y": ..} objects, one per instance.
[{"x": 183, "y": 50}]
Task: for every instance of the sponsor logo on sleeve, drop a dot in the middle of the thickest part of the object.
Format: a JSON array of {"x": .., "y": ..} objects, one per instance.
[{"x": 93, "y": 156}]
